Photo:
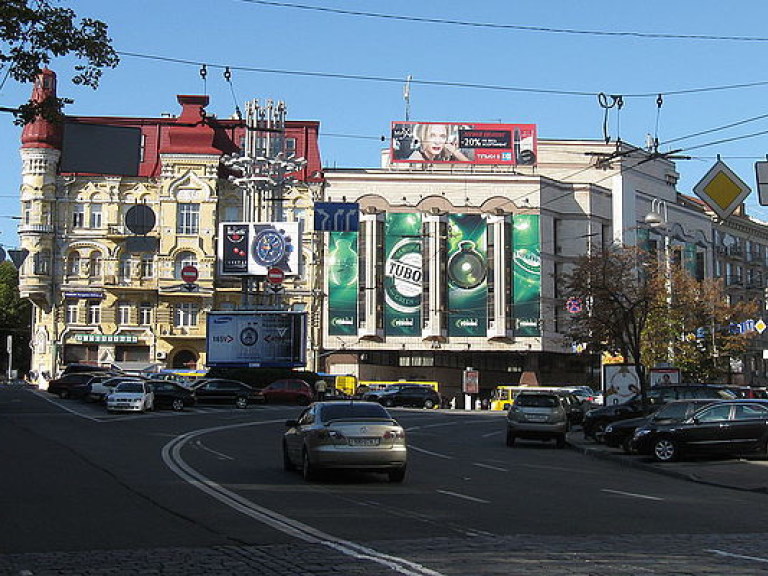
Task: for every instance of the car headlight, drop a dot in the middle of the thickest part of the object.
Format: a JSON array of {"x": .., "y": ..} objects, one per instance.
[
  {"x": 642, "y": 432},
  {"x": 609, "y": 429}
]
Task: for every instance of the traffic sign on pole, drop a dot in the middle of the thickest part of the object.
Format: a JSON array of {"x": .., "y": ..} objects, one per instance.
[
  {"x": 275, "y": 276},
  {"x": 189, "y": 274}
]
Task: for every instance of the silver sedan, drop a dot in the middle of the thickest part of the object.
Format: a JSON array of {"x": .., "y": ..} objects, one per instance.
[{"x": 345, "y": 435}]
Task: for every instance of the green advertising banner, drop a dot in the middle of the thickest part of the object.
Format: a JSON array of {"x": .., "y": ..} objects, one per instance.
[
  {"x": 342, "y": 283},
  {"x": 467, "y": 275},
  {"x": 526, "y": 272},
  {"x": 403, "y": 275}
]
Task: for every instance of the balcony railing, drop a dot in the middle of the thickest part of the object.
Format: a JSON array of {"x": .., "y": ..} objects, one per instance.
[{"x": 35, "y": 229}]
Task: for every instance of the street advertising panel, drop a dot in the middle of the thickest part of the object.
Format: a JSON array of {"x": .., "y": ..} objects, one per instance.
[
  {"x": 256, "y": 339},
  {"x": 467, "y": 143},
  {"x": 467, "y": 270},
  {"x": 664, "y": 376},
  {"x": 403, "y": 275},
  {"x": 253, "y": 248},
  {"x": 526, "y": 271},
  {"x": 620, "y": 383},
  {"x": 343, "y": 283}
]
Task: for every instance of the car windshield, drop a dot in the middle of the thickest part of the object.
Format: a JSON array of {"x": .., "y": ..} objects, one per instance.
[
  {"x": 130, "y": 387},
  {"x": 536, "y": 401},
  {"x": 344, "y": 411}
]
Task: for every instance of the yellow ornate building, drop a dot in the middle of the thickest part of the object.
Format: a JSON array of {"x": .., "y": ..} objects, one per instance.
[{"x": 103, "y": 293}]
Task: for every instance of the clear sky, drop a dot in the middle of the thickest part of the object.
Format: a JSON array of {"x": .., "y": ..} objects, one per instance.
[{"x": 547, "y": 61}]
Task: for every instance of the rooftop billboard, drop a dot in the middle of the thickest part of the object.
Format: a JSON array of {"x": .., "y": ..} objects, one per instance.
[{"x": 463, "y": 143}]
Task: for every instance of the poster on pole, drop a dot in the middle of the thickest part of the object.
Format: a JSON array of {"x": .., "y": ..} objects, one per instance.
[{"x": 620, "y": 383}]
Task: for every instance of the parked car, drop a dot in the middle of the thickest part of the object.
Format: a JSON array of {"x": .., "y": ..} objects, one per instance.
[
  {"x": 345, "y": 435},
  {"x": 288, "y": 391},
  {"x": 74, "y": 385},
  {"x": 585, "y": 394},
  {"x": 133, "y": 396},
  {"x": 574, "y": 407},
  {"x": 596, "y": 420},
  {"x": 170, "y": 394},
  {"x": 539, "y": 416},
  {"x": 373, "y": 395},
  {"x": 103, "y": 385},
  {"x": 224, "y": 391},
  {"x": 730, "y": 428},
  {"x": 619, "y": 434},
  {"x": 413, "y": 396},
  {"x": 76, "y": 367}
]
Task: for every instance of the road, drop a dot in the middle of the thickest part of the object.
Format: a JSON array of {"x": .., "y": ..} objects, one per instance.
[{"x": 204, "y": 492}]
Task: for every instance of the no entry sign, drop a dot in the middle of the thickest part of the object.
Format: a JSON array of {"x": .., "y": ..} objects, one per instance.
[
  {"x": 189, "y": 274},
  {"x": 275, "y": 276}
]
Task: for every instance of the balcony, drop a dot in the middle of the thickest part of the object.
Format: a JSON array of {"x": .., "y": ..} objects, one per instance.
[
  {"x": 35, "y": 229},
  {"x": 117, "y": 231}
]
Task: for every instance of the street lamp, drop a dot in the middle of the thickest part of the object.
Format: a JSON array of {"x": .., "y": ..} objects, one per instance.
[{"x": 658, "y": 219}]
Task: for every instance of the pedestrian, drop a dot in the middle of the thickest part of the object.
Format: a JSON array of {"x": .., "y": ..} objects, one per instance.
[{"x": 320, "y": 388}]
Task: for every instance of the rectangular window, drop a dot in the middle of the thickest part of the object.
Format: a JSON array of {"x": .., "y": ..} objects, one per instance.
[
  {"x": 123, "y": 313},
  {"x": 72, "y": 313},
  {"x": 187, "y": 219},
  {"x": 147, "y": 266},
  {"x": 94, "y": 313},
  {"x": 186, "y": 314},
  {"x": 95, "y": 215},
  {"x": 27, "y": 210},
  {"x": 145, "y": 314},
  {"x": 78, "y": 217}
]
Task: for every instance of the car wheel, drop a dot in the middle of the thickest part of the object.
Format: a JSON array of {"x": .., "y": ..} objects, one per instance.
[
  {"x": 307, "y": 470},
  {"x": 177, "y": 404},
  {"x": 665, "y": 450},
  {"x": 287, "y": 464},
  {"x": 626, "y": 445},
  {"x": 429, "y": 404},
  {"x": 560, "y": 441},
  {"x": 397, "y": 475},
  {"x": 510, "y": 438},
  {"x": 388, "y": 402},
  {"x": 599, "y": 432},
  {"x": 64, "y": 394},
  {"x": 241, "y": 402}
]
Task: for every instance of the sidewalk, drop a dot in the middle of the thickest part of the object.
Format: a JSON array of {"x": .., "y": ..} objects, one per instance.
[{"x": 737, "y": 473}]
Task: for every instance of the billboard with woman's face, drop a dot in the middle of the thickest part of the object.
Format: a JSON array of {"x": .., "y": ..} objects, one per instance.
[{"x": 435, "y": 142}]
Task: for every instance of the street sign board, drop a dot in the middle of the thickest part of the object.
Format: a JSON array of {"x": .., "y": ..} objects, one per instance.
[
  {"x": 471, "y": 381},
  {"x": 337, "y": 216},
  {"x": 189, "y": 274},
  {"x": 722, "y": 190},
  {"x": 275, "y": 276}
]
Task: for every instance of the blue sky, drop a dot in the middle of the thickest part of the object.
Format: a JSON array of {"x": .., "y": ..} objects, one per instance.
[{"x": 559, "y": 73}]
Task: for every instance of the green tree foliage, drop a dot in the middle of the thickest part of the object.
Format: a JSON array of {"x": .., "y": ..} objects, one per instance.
[
  {"x": 15, "y": 315},
  {"x": 33, "y": 32}
]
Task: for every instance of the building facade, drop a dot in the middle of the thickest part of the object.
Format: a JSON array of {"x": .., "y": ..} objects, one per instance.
[{"x": 103, "y": 293}]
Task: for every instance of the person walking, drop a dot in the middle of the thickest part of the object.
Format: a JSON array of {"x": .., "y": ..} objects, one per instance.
[{"x": 320, "y": 388}]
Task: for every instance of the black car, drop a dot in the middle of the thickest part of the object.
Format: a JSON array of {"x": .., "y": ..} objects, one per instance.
[
  {"x": 619, "y": 434},
  {"x": 169, "y": 394},
  {"x": 413, "y": 396},
  {"x": 74, "y": 385},
  {"x": 223, "y": 391},
  {"x": 730, "y": 428},
  {"x": 596, "y": 420}
]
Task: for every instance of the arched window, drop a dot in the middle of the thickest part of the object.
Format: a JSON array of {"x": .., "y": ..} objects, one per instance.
[
  {"x": 73, "y": 264},
  {"x": 95, "y": 265},
  {"x": 182, "y": 260}
]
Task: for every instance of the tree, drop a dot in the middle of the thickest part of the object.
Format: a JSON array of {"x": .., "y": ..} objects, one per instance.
[
  {"x": 33, "y": 32},
  {"x": 15, "y": 314}
]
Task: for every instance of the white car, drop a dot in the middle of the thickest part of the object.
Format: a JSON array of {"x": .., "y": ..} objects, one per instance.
[{"x": 131, "y": 397}]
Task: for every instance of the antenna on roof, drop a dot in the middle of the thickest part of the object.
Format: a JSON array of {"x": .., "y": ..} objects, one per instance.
[{"x": 407, "y": 97}]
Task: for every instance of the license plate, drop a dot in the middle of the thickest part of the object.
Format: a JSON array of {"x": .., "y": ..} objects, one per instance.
[
  {"x": 537, "y": 418},
  {"x": 363, "y": 441}
]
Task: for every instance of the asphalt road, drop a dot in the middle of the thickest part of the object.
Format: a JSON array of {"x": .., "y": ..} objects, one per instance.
[{"x": 204, "y": 492}]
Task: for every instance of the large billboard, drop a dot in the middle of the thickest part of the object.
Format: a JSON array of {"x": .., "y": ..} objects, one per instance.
[
  {"x": 403, "y": 275},
  {"x": 343, "y": 283},
  {"x": 252, "y": 249},
  {"x": 526, "y": 270},
  {"x": 257, "y": 339},
  {"x": 472, "y": 143},
  {"x": 467, "y": 270}
]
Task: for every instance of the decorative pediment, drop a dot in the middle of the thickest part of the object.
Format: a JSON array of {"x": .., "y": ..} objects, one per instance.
[{"x": 189, "y": 187}]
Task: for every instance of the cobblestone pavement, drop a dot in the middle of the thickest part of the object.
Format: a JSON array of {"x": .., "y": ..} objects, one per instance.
[{"x": 524, "y": 555}]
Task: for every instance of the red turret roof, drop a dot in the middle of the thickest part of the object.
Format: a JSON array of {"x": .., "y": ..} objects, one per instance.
[{"x": 43, "y": 133}]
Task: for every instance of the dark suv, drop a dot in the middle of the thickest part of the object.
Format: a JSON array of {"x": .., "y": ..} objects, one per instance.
[
  {"x": 596, "y": 420},
  {"x": 413, "y": 396}
]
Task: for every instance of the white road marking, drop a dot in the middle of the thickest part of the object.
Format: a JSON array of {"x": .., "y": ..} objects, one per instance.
[
  {"x": 435, "y": 454},
  {"x": 221, "y": 456},
  {"x": 740, "y": 556},
  {"x": 497, "y": 468},
  {"x": 497, "y": 433},
  {"x": 60, "y": 405},
  {"x": 632, "y": 494},
  {"x": 171, "y": 454},
  {"x": 463, "y": 496}
]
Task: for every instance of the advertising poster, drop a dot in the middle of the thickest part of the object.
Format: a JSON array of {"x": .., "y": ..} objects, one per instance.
[
  {"x": 403, "y": 275},
  {"x": 343, "y": 283},
  {"x": 252, "y": 249},
  {"x": 467, "y": 269},
  {"x": 526, "y": 274},
  {"x": 468, "y": 143},
  {"x": 620, "y": 383},
  {"x": 256, "y": 339}
]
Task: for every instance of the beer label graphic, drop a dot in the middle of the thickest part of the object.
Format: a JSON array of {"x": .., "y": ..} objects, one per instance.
[
  {"x": 403, "y": 275},
  {"x": 467, "y": 269},
  {"x": 526, "y": 270}
]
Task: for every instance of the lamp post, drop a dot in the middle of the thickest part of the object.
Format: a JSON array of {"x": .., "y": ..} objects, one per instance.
[{"x": 658, "y": 219}]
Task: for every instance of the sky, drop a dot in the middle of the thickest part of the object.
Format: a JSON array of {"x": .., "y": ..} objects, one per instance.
[{"x": 491, "y": 61}]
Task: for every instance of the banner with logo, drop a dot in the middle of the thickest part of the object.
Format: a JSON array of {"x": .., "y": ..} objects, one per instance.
[
  {"x": 467, "y": 270},
  {"x": 403, "y": 275},
  {"x": 526, "y": 273},
  {"x": 342, "y": 283}
]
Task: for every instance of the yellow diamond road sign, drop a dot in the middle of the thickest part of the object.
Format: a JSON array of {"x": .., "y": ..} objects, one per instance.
[{"x": 722, "y": 190}]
